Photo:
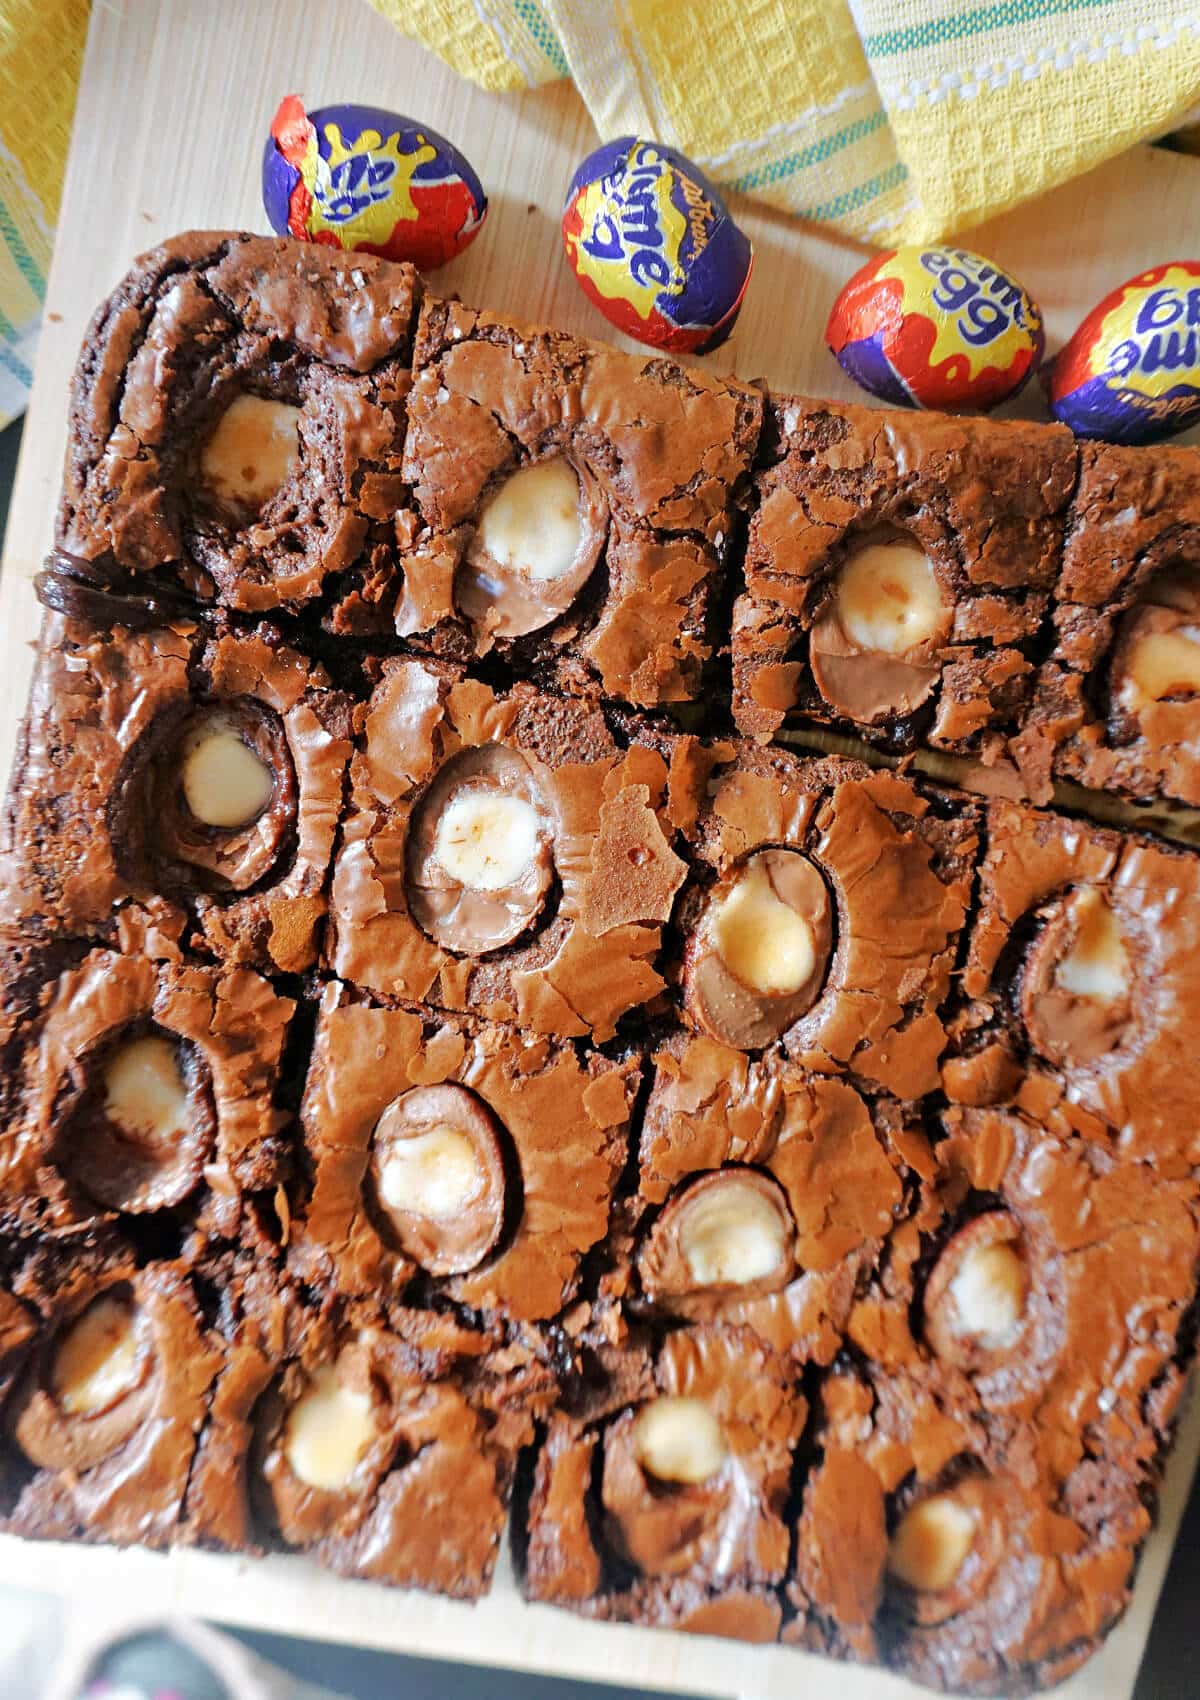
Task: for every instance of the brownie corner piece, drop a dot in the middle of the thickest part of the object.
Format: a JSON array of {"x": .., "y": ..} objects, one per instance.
[
  {"x": 196, "y": 771},
  {"x": 997, "y": 1440},
  {"x": 237, "y": 418},
  {"x": 897, "y": 572},
  {"x": 640, "y": 464},
  {"x": 1116, "y": 701},
  {"x": 382, "y": 1445},
  {"x": 971, "y": 1566},
  {"x": 101, "y": 1418}
]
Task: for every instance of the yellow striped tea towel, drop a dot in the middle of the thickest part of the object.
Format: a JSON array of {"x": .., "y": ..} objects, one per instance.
[
  {"x": 41, "y": 50},
  {"x": 889, "y": 119}
]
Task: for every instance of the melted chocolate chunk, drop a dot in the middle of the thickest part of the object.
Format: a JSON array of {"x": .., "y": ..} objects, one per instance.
[
  {"x": 103, "y": 596},
  {"x": 480, "y": 858}
]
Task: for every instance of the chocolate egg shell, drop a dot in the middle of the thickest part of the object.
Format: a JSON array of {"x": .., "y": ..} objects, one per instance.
[
  {"x": 654, "y": 246},
  {"x": 936, "y": 327},
  {"x": 1131, "y": 372},
  {"x": 359, "y": 177}
]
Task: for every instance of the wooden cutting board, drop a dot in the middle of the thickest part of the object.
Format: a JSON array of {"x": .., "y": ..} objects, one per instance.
[{"x": 175, "y": 101}]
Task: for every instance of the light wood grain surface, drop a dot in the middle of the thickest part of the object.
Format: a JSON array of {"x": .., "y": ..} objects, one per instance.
[{"x": 175, "y": 100}]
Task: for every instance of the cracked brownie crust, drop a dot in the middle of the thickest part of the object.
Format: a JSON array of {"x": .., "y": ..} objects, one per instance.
[
  {"x": 146, "y": 1087},
  {"x": 1081, "y": 974},
  {"x": 258, "y": 508},
  {"x": 897, "y": 572},
  {"x": 196, "y": 773},
  {"x": 481, "y": 1157},
  {"x": 101, "y": 1419},
  {"x": 499, "y": 856},
  {"x": 653, "y": 460},
  {"x": 1116, "y": 700},
  {"x": 850, "y": 887},
  {"x": 764, "y": 1196},
  {"x": 661, "y": 1500},
  {"x": 382, "y": 1445},
  {"x": 996, "y": 1444}
]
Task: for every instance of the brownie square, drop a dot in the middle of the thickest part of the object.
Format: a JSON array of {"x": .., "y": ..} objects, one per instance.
[
  {"x": 906, "y": 1479},
  {"x": 764, "y": 1196},
  {"x": 476, "y": 1160},
  {"x": 824, "y": 908},
  {"x": 382, "y": 1447},
  {"x": 659, "y": 1494},
  {"x": 1081, "y": 977},
  {"x": 1108, "y": 1243},
  {"x": 1116, "y": 702},
  {"x": 639, "y": 463},
  {"x": 128, "y": 733},
  {"x": 1027, "y": 1288},
  {"x": 144, "y": 1091},
  {"x": 898, "y": 571},
  {"x": 114, "y": 1363},
  {"x": 182, "y": 470},
  {"x": 500, "y": 856},
  {"x": 986, "y": 1470}
]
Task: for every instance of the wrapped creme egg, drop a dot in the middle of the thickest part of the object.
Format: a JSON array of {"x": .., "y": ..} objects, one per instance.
[
  {"x": 936, "y": 327},
  {"x": 654, "y": 247},
  {"x": 1131, "y": 372},
  {"x": 362, "y": 178}
]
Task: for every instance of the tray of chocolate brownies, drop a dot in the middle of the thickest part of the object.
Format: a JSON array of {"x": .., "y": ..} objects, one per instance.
[{"x": 484, "y": 1070}]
